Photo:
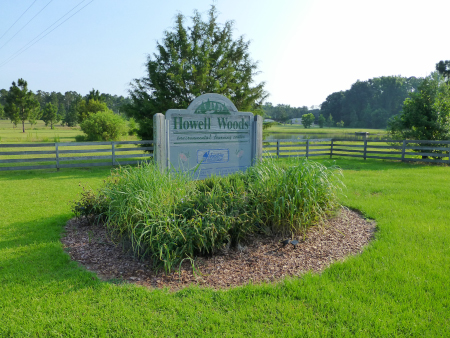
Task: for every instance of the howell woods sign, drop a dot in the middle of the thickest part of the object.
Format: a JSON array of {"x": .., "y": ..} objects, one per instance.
[{"x": 210, "y": 137}]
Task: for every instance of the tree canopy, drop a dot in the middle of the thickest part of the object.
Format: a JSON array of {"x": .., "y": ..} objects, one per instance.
[
  {"x": 191, "y": 61},
  {"x": 425, "y": 114},
  {"x": 104, "y": 126},
  {"x": 21, "y": 104},
  {"x": 307, "y": 120},
  {"x": 371, "y": 103},
  {"x": 85, "y": 109},
  {"x": 50, "y": 115},
  {"x": 443, "y": 67}
]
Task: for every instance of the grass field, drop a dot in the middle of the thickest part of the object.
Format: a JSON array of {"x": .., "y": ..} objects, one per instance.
[
  {"x": 285, "y": 131},
  {"x": 398, "y": 287},
  {"x": 40, "y": 133}
]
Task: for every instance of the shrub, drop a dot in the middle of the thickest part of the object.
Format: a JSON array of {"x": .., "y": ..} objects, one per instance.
[
  {"x": 132, "y": 127},
  {"x": 103, "y": 126},
  {"x": 169, "y": 217}
]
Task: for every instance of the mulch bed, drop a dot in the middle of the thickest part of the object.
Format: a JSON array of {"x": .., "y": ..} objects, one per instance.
[{"x": 263, "y": 259}]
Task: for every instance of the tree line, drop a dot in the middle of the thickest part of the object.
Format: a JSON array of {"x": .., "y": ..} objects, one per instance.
[
  {"x": 19, "y": 104},
  {"x": 371, "y": 103}
]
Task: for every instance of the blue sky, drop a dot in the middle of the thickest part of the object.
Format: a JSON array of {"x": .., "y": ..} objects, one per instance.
[{"x": 306, "y": 49}]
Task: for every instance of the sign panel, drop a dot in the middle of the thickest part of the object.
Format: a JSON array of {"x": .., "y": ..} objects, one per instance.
[{"x": 210, "y": 137}]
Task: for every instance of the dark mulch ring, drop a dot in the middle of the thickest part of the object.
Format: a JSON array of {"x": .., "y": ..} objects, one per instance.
[{"x": 264, "y": 259}]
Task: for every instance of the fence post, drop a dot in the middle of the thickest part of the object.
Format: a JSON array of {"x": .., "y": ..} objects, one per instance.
[
  {"x": 278, "y": 148},
  {"x": 331, "y": 149},
  {"x": 159, "y": 141},
  {"x": 403, "y": 150},
  {"x": 258, "y": 137},
  {"x": 307, "y": 148},
  {"x": 57, "y": 156},
  {"x": 365, "y": 147},
  {"x": 448, "y": 154},
  {"x": 113, "y": 152}
]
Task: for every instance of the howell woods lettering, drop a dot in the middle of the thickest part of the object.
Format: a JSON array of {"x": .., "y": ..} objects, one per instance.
[
  {"x": 224, "y": 123},
  {"x": 205, "y": 124}
]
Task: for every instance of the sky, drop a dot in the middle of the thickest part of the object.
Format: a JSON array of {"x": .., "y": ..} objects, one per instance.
[{"x": 305, "y": 49}]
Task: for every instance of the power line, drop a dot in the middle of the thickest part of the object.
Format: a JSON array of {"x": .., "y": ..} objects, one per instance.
[
  {"x": 24, "y": 48},
  {"x": 17, "y": 19},
  {"x": 26, "y": 24}
]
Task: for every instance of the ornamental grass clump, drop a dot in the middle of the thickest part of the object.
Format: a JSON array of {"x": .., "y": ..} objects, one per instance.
[
  {"x": 169, "y": 217},
  {"x": 290, "y": 196}
]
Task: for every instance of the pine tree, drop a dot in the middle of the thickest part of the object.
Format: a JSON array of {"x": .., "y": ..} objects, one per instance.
[
  {"x": 21, "y": 105},
  {"x": 192, "y": 61},
  {"x": 50, "y": 115}
]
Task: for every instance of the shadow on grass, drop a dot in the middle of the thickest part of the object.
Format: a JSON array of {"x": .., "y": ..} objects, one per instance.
[
  {"x": 33, "y": 232},
  {"x": 76, "y": 173},
  {"x": 373, "y": 164},
  {"x": 44, "y": 263}
]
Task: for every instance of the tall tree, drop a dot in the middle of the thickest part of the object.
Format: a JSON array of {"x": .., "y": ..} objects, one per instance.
[
  {"x": 443, "y": 67},
  {"x": 50, "y": 115},
  {"x": 307, "y": 120},
  {"x": 94, "y": 95},
  {"x": 191, "y": 61},
  {"x": 21, "y": 105},
  {"x": 425, "y": 114},
  {"x": 86, "y": 109}
]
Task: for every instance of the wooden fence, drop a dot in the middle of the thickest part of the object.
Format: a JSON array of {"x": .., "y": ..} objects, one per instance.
[
  {"x": 401, "y": 150},
  {"x": 91, "y": 154},
  {"x": 72, "y": 154}
]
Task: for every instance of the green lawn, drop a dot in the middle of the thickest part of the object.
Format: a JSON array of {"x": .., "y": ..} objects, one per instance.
[
  {"x": 326, "y": 132},
  {"x": 40, "y": 133},
  {"x": 397, "y": 287},
  {"x": 37, "y": 133}
]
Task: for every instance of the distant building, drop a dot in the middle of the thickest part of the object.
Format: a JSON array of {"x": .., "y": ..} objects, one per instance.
[
  {"x": 297, "y": 120},
  {"x": 268, "y": 120}
]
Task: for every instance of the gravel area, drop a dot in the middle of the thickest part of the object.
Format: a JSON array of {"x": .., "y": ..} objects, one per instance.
[{"x": 263, "y": 259}]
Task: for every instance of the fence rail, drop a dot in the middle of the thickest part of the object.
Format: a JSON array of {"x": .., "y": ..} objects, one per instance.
[
  {"x": 93, "y": 154},
  {"x": 73, "y": 154},
  {"x": 401, "y": 150}
]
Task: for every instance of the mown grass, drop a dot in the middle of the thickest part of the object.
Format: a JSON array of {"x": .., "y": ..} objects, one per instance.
[
  {"x": 397, "y": 287},
  {"x": 299, "y": 129},
  {"x": 41, "y": 133}
]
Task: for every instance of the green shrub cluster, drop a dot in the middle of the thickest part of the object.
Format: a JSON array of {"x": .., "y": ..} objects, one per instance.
[
  {"x": 169, "y": 217},
  {"x": 104, "y": 126}
]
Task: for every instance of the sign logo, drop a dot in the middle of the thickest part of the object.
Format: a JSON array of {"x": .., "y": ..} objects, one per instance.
[
  {"x": 213, "y": 156},
  {"x": 212, "y": 107}
]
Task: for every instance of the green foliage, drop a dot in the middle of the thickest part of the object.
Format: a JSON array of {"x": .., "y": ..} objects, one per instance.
[
  {"x": 340, "y": 124},
  {"x": 307, "y": 120},
  {"x": 425, "y": 114},
  {"x": 2, "y": 112},
  {"x": 169, "y": 217},
  {"x": 50, "y": 115},
  {"x": 84, "y": 109},
  {"x": 330, "y": 121},
  {"x": 90, "y": 206},
  {"x": 191, "y": 61},
  {"x": 443, "y": 67},
  {"x": 71, "y": 117},
  {"x": 104, "y": 126},
  {"x": 132, "y": 127},
  {"x": 370, "y": 104},
  {"x": 21, "y": 105},
  {"x": 283, "y": 112},
  {"x": 321, "y": 121}
]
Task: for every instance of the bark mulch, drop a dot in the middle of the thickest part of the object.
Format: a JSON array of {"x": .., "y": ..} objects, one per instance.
[{"x": 263, "y": 259}]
